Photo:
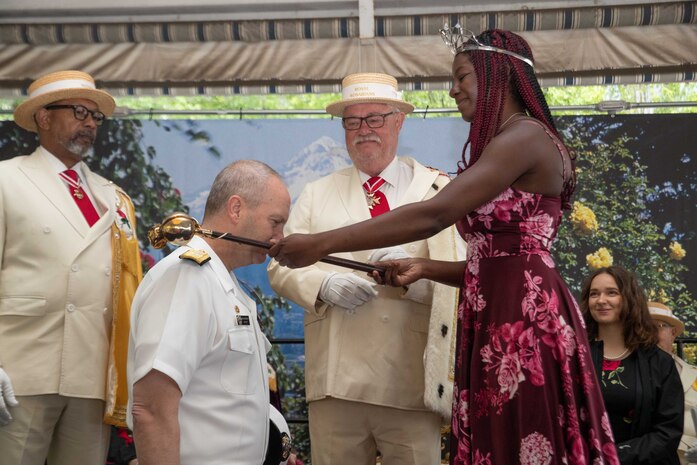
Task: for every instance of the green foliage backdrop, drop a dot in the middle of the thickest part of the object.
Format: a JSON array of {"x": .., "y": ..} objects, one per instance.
[{"x": 613, "y": 184}]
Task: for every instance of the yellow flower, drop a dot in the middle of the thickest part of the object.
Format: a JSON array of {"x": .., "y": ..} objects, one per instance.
[
  {"x": 658, "y": 296},
  {"x": 690, "y": 353},
  {"x": 676, "y": 251},
  {"x": 601, "y": 258},
  {"x": 583, "y": 219}
]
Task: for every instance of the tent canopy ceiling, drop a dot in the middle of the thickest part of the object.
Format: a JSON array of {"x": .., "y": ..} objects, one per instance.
[
  {"x": 72, "y": 11},
  {"x": 185, "y": 47}
]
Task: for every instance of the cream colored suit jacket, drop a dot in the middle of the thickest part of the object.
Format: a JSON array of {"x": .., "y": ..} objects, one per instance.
[
  {"x": 55, "y": 281},
  {"x": 688, "y": 378},
  {"x": 379, "y": 353}
]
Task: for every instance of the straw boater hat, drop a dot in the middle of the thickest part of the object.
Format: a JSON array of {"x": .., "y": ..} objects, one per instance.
[
  {"x": 660, "y": 312},
  {"x": 60, "y": 85},
  {"x": 369, "y": 88}
]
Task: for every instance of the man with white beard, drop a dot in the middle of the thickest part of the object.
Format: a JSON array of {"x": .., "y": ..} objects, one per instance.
[
  {"x": 69, "y": 266},
  {"x": 377, "y": 359}
]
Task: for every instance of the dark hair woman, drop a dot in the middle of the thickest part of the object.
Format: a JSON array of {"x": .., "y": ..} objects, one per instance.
[{"x": 640, "y": 384}]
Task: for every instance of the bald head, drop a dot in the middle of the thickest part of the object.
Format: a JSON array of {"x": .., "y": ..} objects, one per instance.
[
  {"x": 245, "y": 178},
  {"x": 248, "y": 199}
]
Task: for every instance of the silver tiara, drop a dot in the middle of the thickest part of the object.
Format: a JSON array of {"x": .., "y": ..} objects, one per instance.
[{"x": 460, "y": 40}]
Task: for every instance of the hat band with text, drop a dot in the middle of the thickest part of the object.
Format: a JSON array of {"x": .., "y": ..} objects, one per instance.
[{"x": 370, "y": 90}]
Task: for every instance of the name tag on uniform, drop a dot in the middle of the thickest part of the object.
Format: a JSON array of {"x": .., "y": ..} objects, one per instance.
[{"x": 242, "y": 320}]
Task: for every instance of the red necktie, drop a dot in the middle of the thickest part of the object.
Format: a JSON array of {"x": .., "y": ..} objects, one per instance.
[
  {"x": 83, "y": 202},
  {"x": 377, "y": 202}
]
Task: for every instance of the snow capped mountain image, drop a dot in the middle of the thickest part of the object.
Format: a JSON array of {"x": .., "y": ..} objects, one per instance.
[{"x": 321, "y": 157}]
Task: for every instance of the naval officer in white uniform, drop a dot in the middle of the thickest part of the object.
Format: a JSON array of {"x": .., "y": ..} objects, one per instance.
[{"x": 197, "y": 357}]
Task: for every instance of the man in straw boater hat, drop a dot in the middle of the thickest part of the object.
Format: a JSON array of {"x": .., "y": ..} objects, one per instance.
[
  {"x": 378, "y": 360},
  {"x": 670, "y": 327},
  {"x": 69, "y": 266}
]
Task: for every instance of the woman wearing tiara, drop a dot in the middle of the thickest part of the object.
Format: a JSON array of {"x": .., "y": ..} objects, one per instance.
[{"x": 525, "y": 392}]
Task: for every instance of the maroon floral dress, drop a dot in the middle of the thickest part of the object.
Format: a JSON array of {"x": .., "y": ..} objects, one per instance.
[{"x": 525, "y": 387}]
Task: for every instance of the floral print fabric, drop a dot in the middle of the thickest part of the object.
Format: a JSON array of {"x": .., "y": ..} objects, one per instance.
[
  {"x": 612, "y": 373},
  {"x": 525, "y": 388}
]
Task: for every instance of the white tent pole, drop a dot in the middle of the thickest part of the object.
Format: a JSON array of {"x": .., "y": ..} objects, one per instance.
[{"x": 366, "y": 19}]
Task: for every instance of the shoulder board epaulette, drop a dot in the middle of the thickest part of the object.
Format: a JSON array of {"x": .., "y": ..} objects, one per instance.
[{"x": 195, "y": 255}]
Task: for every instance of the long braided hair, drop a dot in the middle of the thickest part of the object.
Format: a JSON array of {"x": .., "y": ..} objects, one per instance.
[{"x": 497, "y": 74}]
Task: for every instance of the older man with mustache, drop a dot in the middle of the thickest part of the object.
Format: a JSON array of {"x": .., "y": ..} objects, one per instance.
[
  {"x": 69, "y": 266},
  {"x": 377, "y": 359}
]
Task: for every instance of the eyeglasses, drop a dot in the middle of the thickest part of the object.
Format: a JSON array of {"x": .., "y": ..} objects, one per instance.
[
  {"x": 352, "y": 123},
  {"x": 80, "y": 112}
]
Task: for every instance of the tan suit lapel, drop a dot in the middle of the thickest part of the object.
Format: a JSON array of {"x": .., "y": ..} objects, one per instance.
[
  {"x": 104, "y": 194},
  {"x": 687, "y": 373},
  {"x": 46, "y": 181},
  {"x": 355, "y": 207},
  {"x": 352, "y": 196},
  {"x": 421, "y": 183}
]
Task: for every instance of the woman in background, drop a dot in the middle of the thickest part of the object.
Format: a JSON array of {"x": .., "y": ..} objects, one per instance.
[{"x": 639, "y": 382}]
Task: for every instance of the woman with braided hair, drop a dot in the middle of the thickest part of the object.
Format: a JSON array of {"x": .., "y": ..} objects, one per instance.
[{"x": 525, "y": 392}]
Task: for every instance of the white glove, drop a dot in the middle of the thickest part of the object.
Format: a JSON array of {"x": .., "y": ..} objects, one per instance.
[
  {"x": 388, "y": 253},
  {"x": 7, "y": 398},
  {"x": 346, "y": 290},
  {"x": 420, "y": 291},
  {"x": 691, "y": 454}
]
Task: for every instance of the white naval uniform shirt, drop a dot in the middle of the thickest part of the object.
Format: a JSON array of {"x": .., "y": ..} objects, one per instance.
[{"x": 194, "y": 324}]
